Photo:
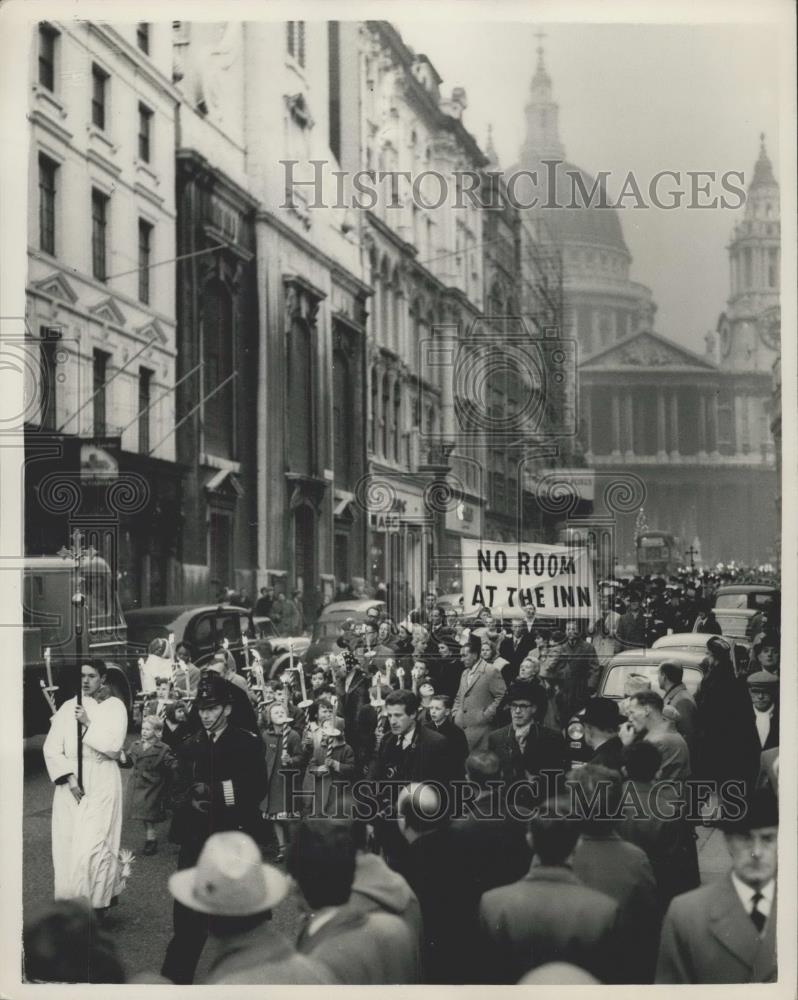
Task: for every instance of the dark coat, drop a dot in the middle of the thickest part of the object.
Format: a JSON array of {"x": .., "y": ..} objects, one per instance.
[
  {"x": 545, "y": 749},
  {"x": 611, "y": 865},
  {"x": 609, "y": 754},
  {"x": 205, "y": 771},
  {"x": 490, "y": 847},
  {"x": 153, "y": 772},
  {"x": 668, "y": 843},
  {"x": 631, "y": 632},
  {"x": 576, "y": 669},
  {"x": 328, "y": 788},
  {"x": 430, "y": 867},
  {"x": 456, "y": 745},
  {"x": 283, "y": 779},
  {"x": 515, "y": 654},
  {"x": 350, "y": 704},
  {"x": 427, "y": 758},
  {"x": 680, "y": 698},
  {"x": 707, "y": 937},
  {"x": 727, "y": 743},
  {"x": 548, "y": 916}
]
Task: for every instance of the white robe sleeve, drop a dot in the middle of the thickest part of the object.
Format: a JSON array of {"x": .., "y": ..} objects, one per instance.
[
  {"x": 59, "y": 743},
  {"x": 108, "y": 727}
]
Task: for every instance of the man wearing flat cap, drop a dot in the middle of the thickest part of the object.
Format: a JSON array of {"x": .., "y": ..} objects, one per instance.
[
  {"x": 764, "y": 689},
  {"x": 221, "y": 779},
  {"x": 725, "y": 932},
  {"x": 236, "y": 893}
]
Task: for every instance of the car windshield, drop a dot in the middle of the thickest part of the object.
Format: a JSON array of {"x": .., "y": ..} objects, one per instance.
[{"x": 618, "y": 675}]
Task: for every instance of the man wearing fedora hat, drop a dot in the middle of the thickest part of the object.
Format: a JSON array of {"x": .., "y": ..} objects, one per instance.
[
  {"x": 221, "y": 779},
  {"x": 725, "y": 932},
  {"x": 601, "y": 720},
  {"x": 232, "y": 888}
]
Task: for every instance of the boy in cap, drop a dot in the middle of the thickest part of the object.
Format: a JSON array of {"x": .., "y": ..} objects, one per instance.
[
  {"x": 221, "y": 779},
  {"x": 236, "y": 893}
]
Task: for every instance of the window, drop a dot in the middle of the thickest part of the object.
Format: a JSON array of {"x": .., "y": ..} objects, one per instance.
[
  {"x": 99, "y": 378},
  {"x": 143, "y": 37},
  {"x": 217, "y": 353},
  {"x": 342, "y": 420},
  {"x": 145, "y": 133},
  {"x": 47, "y": 37},
  {"x": 47, "y": 172},
  {"x": 48, "y": 346},
  {"x": 145, "y": 247},
  {"x": 296, "y": 41},
  {"x": 99, "y": 217},
  {"x": 773, "y": 268},
  {"x": 334, "y": 60},
  {"x": 145, "y": 382},
  {"x": 748, "y": 271},
  {"x": 98, "y": 80}
]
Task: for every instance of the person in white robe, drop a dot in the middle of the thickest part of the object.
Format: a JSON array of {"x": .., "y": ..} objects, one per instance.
[{"x": 87, "y": 822}]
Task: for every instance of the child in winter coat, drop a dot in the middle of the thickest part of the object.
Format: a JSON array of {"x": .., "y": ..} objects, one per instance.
[{"x": 153, "y": 765}]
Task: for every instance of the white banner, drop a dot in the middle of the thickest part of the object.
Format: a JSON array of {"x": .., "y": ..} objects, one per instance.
[{"x": 557, "y": 579}]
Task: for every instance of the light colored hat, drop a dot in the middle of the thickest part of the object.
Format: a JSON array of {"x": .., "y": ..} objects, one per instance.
[{"x": 230, "y": 880}]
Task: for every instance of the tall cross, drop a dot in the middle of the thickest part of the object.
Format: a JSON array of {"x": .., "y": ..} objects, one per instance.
[
  {"x": 540, "y": 35},
  {"x": 692, "y": 553},
  {"x": 79, "y": 551}
]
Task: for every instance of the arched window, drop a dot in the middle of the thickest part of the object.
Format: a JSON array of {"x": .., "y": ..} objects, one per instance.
[
  {"x": 375, "y": 389},
  {"x": 397, "y": 302},
  {"x": 300, "y": 397},
  {"x": 342, "y": 420},
  {"x": 217, "y": 353},
  {"x": 385, "y": 335},
  {"x": 397, "y": 421},
  {"x": 386, "y": 414}
]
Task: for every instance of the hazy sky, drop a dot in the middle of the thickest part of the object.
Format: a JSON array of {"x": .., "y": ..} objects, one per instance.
[{"x": 632, "y": 97}]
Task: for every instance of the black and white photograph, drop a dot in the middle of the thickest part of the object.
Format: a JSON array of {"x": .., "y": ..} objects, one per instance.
[{"x": 396, "y": 500}]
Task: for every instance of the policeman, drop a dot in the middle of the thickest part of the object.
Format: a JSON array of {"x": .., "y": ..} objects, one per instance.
[{"x": 221, "y": 779}]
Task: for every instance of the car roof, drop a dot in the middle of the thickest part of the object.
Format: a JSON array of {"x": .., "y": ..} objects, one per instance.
[
  {"x": 163, "y": 613},
  {"x": 685, "y": 657},
  {"x": 681, "y": 640},
  {"x": 746, "y": 588},
  {"x": 350, "y": 607}
]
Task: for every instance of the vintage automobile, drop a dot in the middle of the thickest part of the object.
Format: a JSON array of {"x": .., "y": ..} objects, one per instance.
[
  {"x": 741, "y": 648},
  {"x": 50, "y": 647},
  {"x": 642, "y": 663},
  {"x": 742, "y": 609},
  {"x": 323, "y": 640}
]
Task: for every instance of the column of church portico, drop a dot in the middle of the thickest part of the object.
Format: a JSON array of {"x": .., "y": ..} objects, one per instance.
[
  {"x": 379, "y": 416},
  {"x": 674, "y": 422},
  {"x": 712, "y": 444},
  {"x": 629, "y": 427},
  {"x": 616, "y": 424},
  {"x": 662, "y": 427},
  {"x": 702, "y": 424}
]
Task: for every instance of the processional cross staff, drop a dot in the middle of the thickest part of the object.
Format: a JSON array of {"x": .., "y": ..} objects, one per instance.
[
  {"x": 692, "y": 552},
  {"x": 79, "y": 552}
]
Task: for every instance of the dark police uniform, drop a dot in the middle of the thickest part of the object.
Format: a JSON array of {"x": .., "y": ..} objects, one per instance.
[{"x": 220, "y": 783}]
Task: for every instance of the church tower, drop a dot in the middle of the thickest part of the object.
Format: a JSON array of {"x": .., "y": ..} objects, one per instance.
[
  {"x": 749, "y": 329},
  {"x": 542, "y": 113}
]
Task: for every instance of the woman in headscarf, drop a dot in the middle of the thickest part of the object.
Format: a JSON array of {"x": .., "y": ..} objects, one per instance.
[{"x": 727, "y": 742}]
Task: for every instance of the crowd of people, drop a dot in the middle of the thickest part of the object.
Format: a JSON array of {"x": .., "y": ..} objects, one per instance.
[{"x": 417, "y": 786}]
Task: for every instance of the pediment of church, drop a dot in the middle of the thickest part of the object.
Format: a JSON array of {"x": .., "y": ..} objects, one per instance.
[
  {"x": 646, "y": 350},
  {"x": 152, "y": 331}
]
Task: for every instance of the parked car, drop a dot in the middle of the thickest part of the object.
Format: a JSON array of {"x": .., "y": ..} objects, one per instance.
[
  {"x": 741, "y": 648},
  {"x": 203, "y": 628},
  {"x": 616, "y": 673},
  {"x": 328, "y": 625},
  {"x": 741, "y": 609}
]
